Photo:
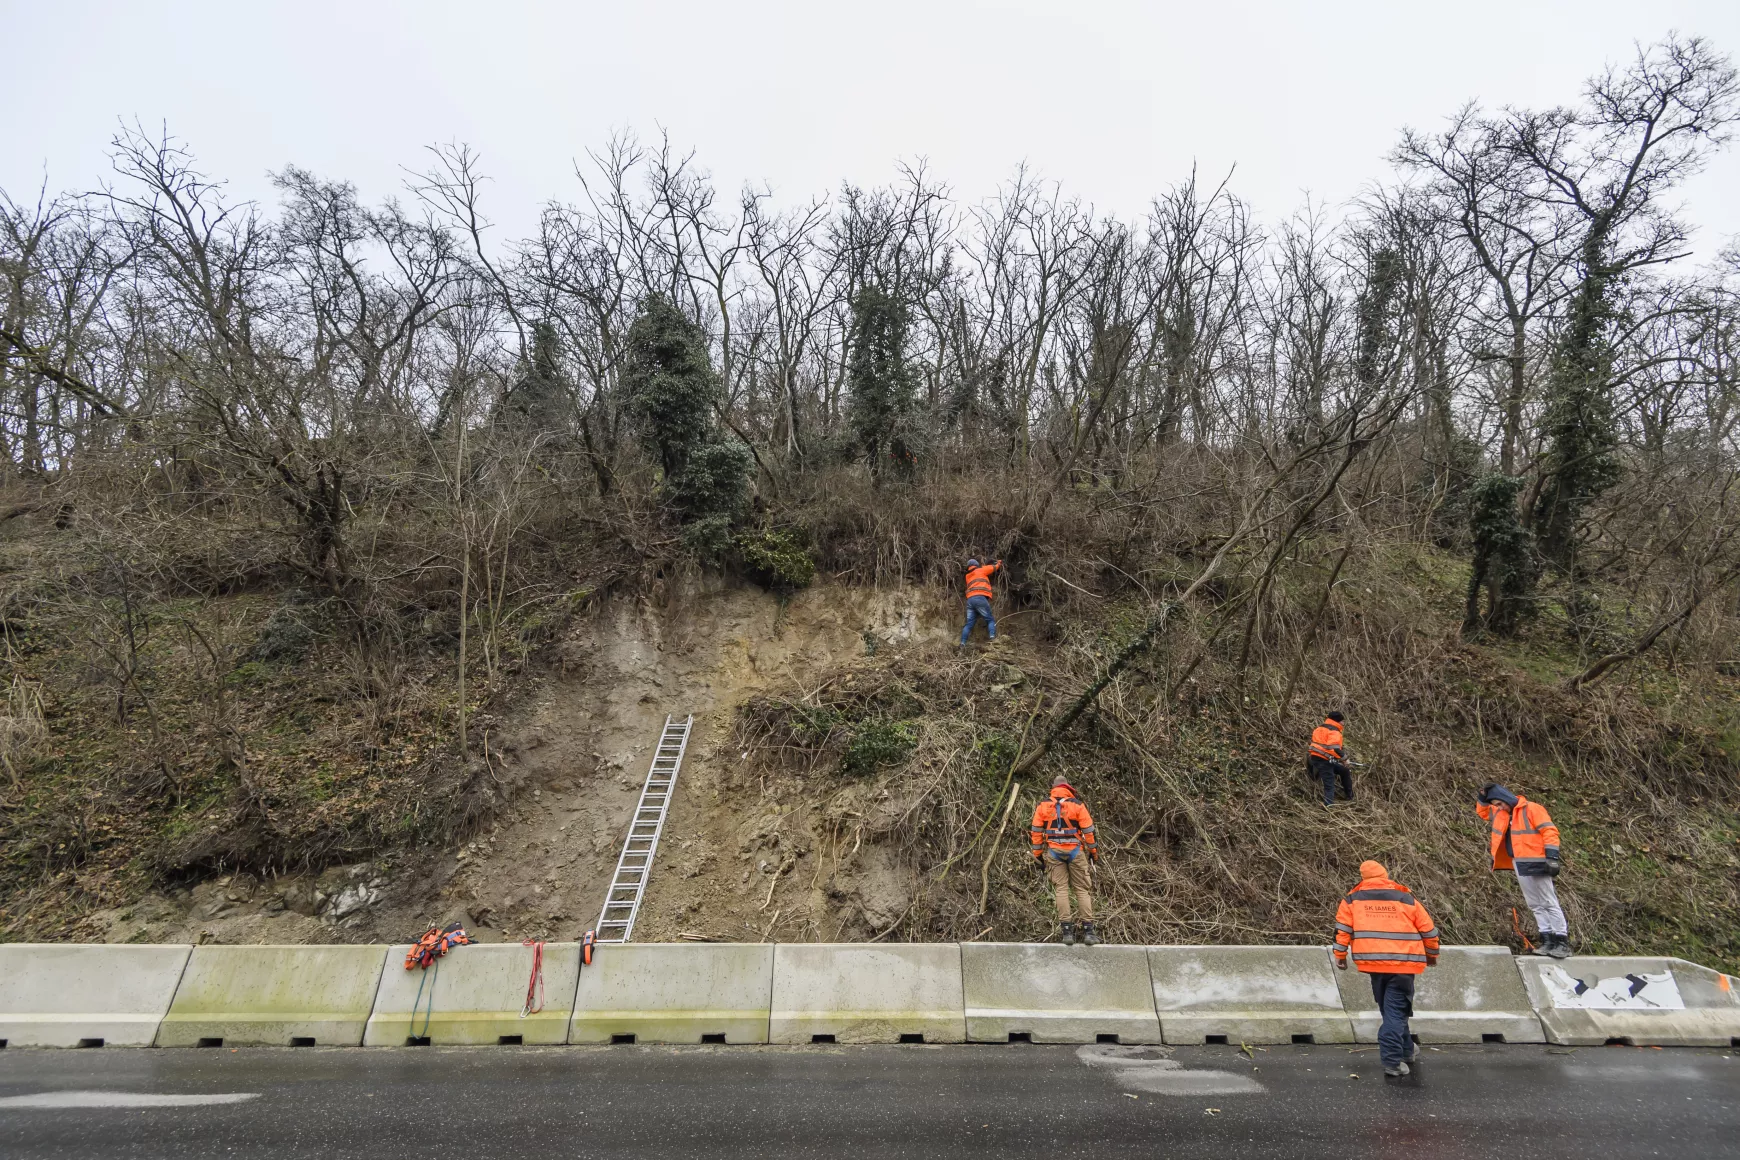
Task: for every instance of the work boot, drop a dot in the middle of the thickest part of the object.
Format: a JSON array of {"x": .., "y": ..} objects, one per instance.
[
  {"x": 1398, "y": 1071},
  {"x": 1068, "y": 929},
  {"x": 1544, "y": 947},
  {"x": 1088, "y": 937},
  {"x": 1559, "y": 946}
]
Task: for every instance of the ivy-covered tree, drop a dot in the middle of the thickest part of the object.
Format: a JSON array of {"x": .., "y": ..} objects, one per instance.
[
  {"x": 540, "y": 396},
  {"x": 884, "y": 391},
  {"x": 672, "y": 392},
  {"x": 669, "y": 384},
  {"x": 1504, "y": 566}
]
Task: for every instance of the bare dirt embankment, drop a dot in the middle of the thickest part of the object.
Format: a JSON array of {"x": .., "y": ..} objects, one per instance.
[{"x": 733, "y": 865}]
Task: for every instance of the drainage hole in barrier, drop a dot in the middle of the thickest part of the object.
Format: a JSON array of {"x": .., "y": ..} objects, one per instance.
[
  {"x": 1734, "y": 1042},
  {"x": 416, "y": 1041},
  {"x": 1304, "y": 1039},
  {"x": 622, "y": 1039},
  {"x": 509, "y": 1040},
  {"x": 90, "y": 1043},
  {"x": 1620, "y": 1041},
  {"x": 1102, "y": 1037},
  {"x": 211, "y": 1042},
  {"x": 719, "y": 1038},
  {"x": 821, "y": 1039},
  {"x": 1220, "y": 1039},
  {"x": 1492, "y": 1037},
  {"x": 912, "y": 1037},
  {"x": 1021, "y": 1037},
  {"x": 3, "y": 1042},
  {"x": 302, "y": 1041}
]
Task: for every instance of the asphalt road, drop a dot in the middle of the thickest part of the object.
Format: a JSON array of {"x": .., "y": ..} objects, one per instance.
[{"x": 918, "y": 1101}]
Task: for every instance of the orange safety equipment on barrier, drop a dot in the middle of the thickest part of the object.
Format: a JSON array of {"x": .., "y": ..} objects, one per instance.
[
  {"x": 1521, "y": 837},
  {"x": 1062, "y": 824},
  {"x": 435, "y": 944},
  {"x": 979, "y": 579},
  {"x": 1326, "y": 742},
  {"x": 1384, "y": 926}
]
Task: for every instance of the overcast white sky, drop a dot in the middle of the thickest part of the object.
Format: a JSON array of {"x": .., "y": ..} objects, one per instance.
[{"x": 1115, "y": 100}]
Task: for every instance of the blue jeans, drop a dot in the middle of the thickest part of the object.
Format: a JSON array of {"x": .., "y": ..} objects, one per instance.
[
  {"x": 979, "y": 608},
  {"x": 1394, "y": 995}
]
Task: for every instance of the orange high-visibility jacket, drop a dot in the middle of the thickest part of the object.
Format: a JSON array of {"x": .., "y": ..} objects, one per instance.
[
  {"x": 1063, "y": 825},
  {"x": 1326, "y": 742},
  {"x": 979, "y": 579},
  {"x": 1386, "y": 929},
  {"x": 1522, "y": 837}
]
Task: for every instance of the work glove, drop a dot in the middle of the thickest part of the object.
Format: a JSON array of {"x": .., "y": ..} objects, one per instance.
[
  {"x": 1553, "y": 867},
  {"x": 1341, "y": 964},
  {"x": 1431, "y": 960}
]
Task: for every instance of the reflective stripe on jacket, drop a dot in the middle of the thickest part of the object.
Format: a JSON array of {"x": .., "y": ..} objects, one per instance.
[
  {"x": 1326, "y": 742},
  {"x": 1385, "y": 928},
  {"x": 979, "y": 580},
  {"x": 1522, "y": 837},
  {"x": 1062, "y": 824}
]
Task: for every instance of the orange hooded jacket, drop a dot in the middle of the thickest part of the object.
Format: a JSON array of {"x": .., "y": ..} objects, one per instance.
[
  {"x": 1522, "y": 836},
  {"x": 1384, "y": 926},
  {"x": 1062, "y": 824}
]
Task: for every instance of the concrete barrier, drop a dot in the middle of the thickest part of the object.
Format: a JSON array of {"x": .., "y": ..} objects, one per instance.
[
  {"x": 474, "y": 995},
  {"x": 1268, "y": 994},
  {"x": 867, "y": 993},
  {"x": 675, "y": 993},
  {"x": 284, "y": 995},
  {"x": 1057, "y": 994},
  {"x": 68, "y": 995},
  {"x": 1644, "y": 1001},
  {"x": 1473, "y": 995}
]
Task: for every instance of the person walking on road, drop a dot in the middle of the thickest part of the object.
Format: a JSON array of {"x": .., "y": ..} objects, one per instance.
[
  {"x": 979, "y": 598},
  {"x": 1391, "y": 939},
  {"x": 1327, "y": 759},
  {"x": 1521, "y": 837},
  {"x": 1064, "y": 846}
]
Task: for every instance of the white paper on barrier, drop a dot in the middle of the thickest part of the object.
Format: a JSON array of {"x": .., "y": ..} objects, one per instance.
[{"x": 1651, "y": 992}]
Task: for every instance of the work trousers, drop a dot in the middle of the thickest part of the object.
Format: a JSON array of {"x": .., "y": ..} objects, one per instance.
[
  {"x": 979, "y": 608},
  {"x": 1543, "y": 899},
  {"x": 1065, "y": 874},
  {"x": 1327, "y": 772},
  {"x": 1394, "y": 995}
]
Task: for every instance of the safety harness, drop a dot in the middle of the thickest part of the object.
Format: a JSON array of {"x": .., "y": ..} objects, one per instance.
[
  {"x": 426, "y": 952},
  {"x": 1061, "y": 829}
]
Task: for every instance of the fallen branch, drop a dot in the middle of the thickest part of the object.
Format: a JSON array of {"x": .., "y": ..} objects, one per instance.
[{"x": 985, "y": 870}]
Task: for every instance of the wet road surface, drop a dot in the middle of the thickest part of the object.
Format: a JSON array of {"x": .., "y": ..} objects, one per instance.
[{"x": 912, "y": 1101}]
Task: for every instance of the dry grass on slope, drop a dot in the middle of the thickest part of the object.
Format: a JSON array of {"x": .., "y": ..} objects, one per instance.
[{"x": 1211, "y": 830}]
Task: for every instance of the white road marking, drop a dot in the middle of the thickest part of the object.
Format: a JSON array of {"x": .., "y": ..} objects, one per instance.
[
  {"x": 122, "y": 1100},
  {"x": 1148, "y": 1069}
]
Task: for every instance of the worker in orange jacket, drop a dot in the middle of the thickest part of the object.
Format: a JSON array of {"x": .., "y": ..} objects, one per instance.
[
  {"x": 1064, "y": 846},
  {"x": 1521, "y": 837},
  {"x": 979, "y": 598},
  {"x": 1327, "y": 758},
  {"x": 1391, "y": 939}
]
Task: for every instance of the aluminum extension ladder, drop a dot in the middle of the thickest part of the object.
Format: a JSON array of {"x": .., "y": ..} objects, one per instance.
[{"x": 628, "y": 884}]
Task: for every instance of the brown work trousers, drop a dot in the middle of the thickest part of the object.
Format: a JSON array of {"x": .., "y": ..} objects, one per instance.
[{"x": 1074, "y": 873}]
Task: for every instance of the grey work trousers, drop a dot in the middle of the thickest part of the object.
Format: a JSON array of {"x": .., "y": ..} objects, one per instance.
[{"x": 1543, "y": 899}]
